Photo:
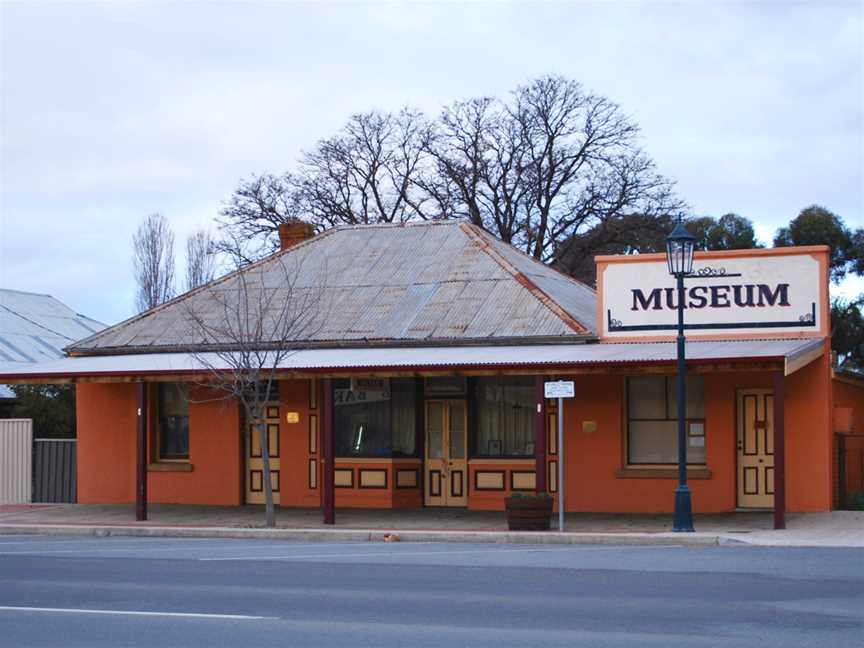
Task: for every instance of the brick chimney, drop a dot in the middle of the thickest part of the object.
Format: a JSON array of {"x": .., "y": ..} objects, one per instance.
[{"x": 293, "y": 231}]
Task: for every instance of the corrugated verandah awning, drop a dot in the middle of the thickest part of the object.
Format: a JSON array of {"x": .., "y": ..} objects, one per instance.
[{"x": 792, "y": 353}]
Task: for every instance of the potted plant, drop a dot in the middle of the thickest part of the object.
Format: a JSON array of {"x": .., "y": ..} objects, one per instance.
[{"x": 528, "y": 511}]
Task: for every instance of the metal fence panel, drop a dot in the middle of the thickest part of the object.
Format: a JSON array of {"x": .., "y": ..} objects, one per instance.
[
  {"x": 54, "y": 475},
  {"x": 15, "y": 469}
]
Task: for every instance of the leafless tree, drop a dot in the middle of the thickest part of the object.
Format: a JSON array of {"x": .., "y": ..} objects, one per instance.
[
  {"x": 244, "y": 327},
  {"x": 200, "y": 259},
  {"x": 551, "y": 162},
  {"x": 537, "y": 169},
  {"x": 153, "y": 262},
  {"x": 364, "y": 173}
]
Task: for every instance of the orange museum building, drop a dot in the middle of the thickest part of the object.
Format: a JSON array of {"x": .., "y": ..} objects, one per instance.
[{"x": 439, "y": 400}]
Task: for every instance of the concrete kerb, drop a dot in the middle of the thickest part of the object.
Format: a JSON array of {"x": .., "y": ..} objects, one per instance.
[{"x": 376, "y": 535}]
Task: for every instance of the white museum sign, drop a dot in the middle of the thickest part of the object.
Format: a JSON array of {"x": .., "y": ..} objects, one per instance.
[{"x": 747, "y": 295}]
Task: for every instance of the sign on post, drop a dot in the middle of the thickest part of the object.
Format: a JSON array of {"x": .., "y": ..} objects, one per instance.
[{"x": 560, "y": 389}]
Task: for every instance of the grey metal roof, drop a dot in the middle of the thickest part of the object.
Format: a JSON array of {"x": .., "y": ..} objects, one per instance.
[
  {"x": 794, "y": 353},
  {"x": 36, "y": 327},
  {"x": 438, "y": 281}
]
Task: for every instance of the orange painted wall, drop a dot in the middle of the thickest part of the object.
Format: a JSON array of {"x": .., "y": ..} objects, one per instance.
[
  {"x": 809, "y": 437},
  {"x": 106, "y": 419},
  {"x": 106, "y": 456},
  {"x": 214, "y": 452},
  {"x": 593, "y": 459}
]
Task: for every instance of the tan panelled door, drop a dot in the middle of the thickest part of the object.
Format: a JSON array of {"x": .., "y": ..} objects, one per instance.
[
  {"x": 755, "y": 448},
  {"x": 254, "y": 461},
  {"x": 446, "y": 453}
]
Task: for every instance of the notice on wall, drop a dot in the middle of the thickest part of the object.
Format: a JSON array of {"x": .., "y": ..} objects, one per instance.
[{"x": 753, "y": 293}]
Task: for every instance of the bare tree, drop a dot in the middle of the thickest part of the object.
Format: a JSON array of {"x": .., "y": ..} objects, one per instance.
[
  {"x": 200, "y": 259},
  {"x": 153, "y": 262},
  {"x": 537, "y": 169},
  {"x": 243, "y": 328},
  {"x": 551, "y": 162}
]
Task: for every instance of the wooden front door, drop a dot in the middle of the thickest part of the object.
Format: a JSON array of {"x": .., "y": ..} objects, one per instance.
[
  {"x": 755, "y": 448},
  {"x": 446, "y": 471},
  {"x": 254, "y": 461}
]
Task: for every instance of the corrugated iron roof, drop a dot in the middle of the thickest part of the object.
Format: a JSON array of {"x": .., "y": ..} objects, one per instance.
[
  {"x": 35, "y": 328},
  {"x": 795, "y": 353},
  {"x": 444, "y": 281}
]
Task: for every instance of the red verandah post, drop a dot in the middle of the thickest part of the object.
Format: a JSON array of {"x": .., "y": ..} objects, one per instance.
[
  {"x": 540, "y": 435},
  {"x": 779, "y": 454},
  {"x": 141, "y": 472},
  {"x": 327, "y": 451}
]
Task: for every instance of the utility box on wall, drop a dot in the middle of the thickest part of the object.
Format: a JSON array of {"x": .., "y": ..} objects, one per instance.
[{"x": 16, "y": 461}]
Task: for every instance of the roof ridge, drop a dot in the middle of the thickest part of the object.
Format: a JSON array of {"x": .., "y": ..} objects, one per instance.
[{"x": 479, "y": 238}]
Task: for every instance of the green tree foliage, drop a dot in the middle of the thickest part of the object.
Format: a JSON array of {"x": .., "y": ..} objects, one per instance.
[
  {"x": 52, "y": 408},
  {"x": 847, "y": 332},
  {"x": 729, "y": 232},
  {"x": 642, "y": 233},
  {"x": 816, "y": 225},
  {"x": 626, "y": 234}
]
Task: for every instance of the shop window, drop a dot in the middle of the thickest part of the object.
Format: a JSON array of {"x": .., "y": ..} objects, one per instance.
[
  {"x": 652, "y": 420},
  {"x": 375, "y": 418},
  {"x": 173, "y": 421},
  {"x": 503, "y": 417}
]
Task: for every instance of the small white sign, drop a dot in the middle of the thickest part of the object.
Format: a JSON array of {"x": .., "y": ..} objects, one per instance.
[{"x": 559, "y": 389}]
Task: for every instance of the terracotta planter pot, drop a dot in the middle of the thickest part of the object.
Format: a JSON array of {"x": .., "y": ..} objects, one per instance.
[{"x": 528, "y": 513}]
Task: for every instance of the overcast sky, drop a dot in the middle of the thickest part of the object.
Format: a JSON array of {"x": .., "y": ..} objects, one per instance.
[{"x": 114, "y": 110}]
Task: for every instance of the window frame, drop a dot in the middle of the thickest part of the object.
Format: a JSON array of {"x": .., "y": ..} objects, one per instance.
[{"x": 626, "y": 420}]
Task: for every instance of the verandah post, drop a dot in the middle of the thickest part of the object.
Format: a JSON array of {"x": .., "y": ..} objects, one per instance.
[
  {"x": 779, "y": 454},
  {"x": 327, "y": 451},
  {"x": 141, "y": 463},
  {"x": 539, "y": 435}
]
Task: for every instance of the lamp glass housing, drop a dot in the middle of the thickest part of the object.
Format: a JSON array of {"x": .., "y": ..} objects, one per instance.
[{"x": 679, "y": 250}]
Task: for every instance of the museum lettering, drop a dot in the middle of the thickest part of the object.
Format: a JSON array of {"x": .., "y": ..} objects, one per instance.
[{"x": 720, "y": 296}]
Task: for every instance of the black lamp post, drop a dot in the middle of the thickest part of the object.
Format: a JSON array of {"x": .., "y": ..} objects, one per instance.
[{"x": 679, "y": 256}]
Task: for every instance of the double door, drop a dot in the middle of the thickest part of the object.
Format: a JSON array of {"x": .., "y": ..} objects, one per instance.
[{"x": 446, "y": 468}]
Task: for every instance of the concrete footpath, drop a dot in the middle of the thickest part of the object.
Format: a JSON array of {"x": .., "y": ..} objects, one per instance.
[{"x": 831, "y": 529}]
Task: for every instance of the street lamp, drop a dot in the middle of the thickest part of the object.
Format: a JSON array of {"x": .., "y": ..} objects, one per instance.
[{"x": 679, "y": 256}]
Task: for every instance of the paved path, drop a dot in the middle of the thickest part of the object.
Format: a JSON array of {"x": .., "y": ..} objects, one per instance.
[{"x": 143, "y": 592}]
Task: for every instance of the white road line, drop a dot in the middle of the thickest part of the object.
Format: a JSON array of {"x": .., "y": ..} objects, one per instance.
[
  {"x": 397, "y": 554},
  {"x": 192, "y": 615}
]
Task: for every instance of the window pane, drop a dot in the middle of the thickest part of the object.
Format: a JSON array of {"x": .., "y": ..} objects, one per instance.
[
  {"x": 646, "y": 397},
  {"x": 695, "y": 396},
  {"x": 402, "y": 394},
  {"x": 435, "y": 430},
  {"x": 505, "y": 416},
  {"x": 375, "y": 418},
  {"x": 457, "y": 430},
  {"x": 173, "y": 421},
  {"x": 653, "y": 442}
]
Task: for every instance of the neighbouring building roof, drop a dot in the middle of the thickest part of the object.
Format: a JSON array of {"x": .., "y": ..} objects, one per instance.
[
  {"x": 36, "y": 328},
  {"x": 437, "y": 282}
]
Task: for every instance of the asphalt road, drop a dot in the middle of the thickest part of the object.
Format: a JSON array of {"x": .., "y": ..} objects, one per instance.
[{"x": 64, "y": 591}]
